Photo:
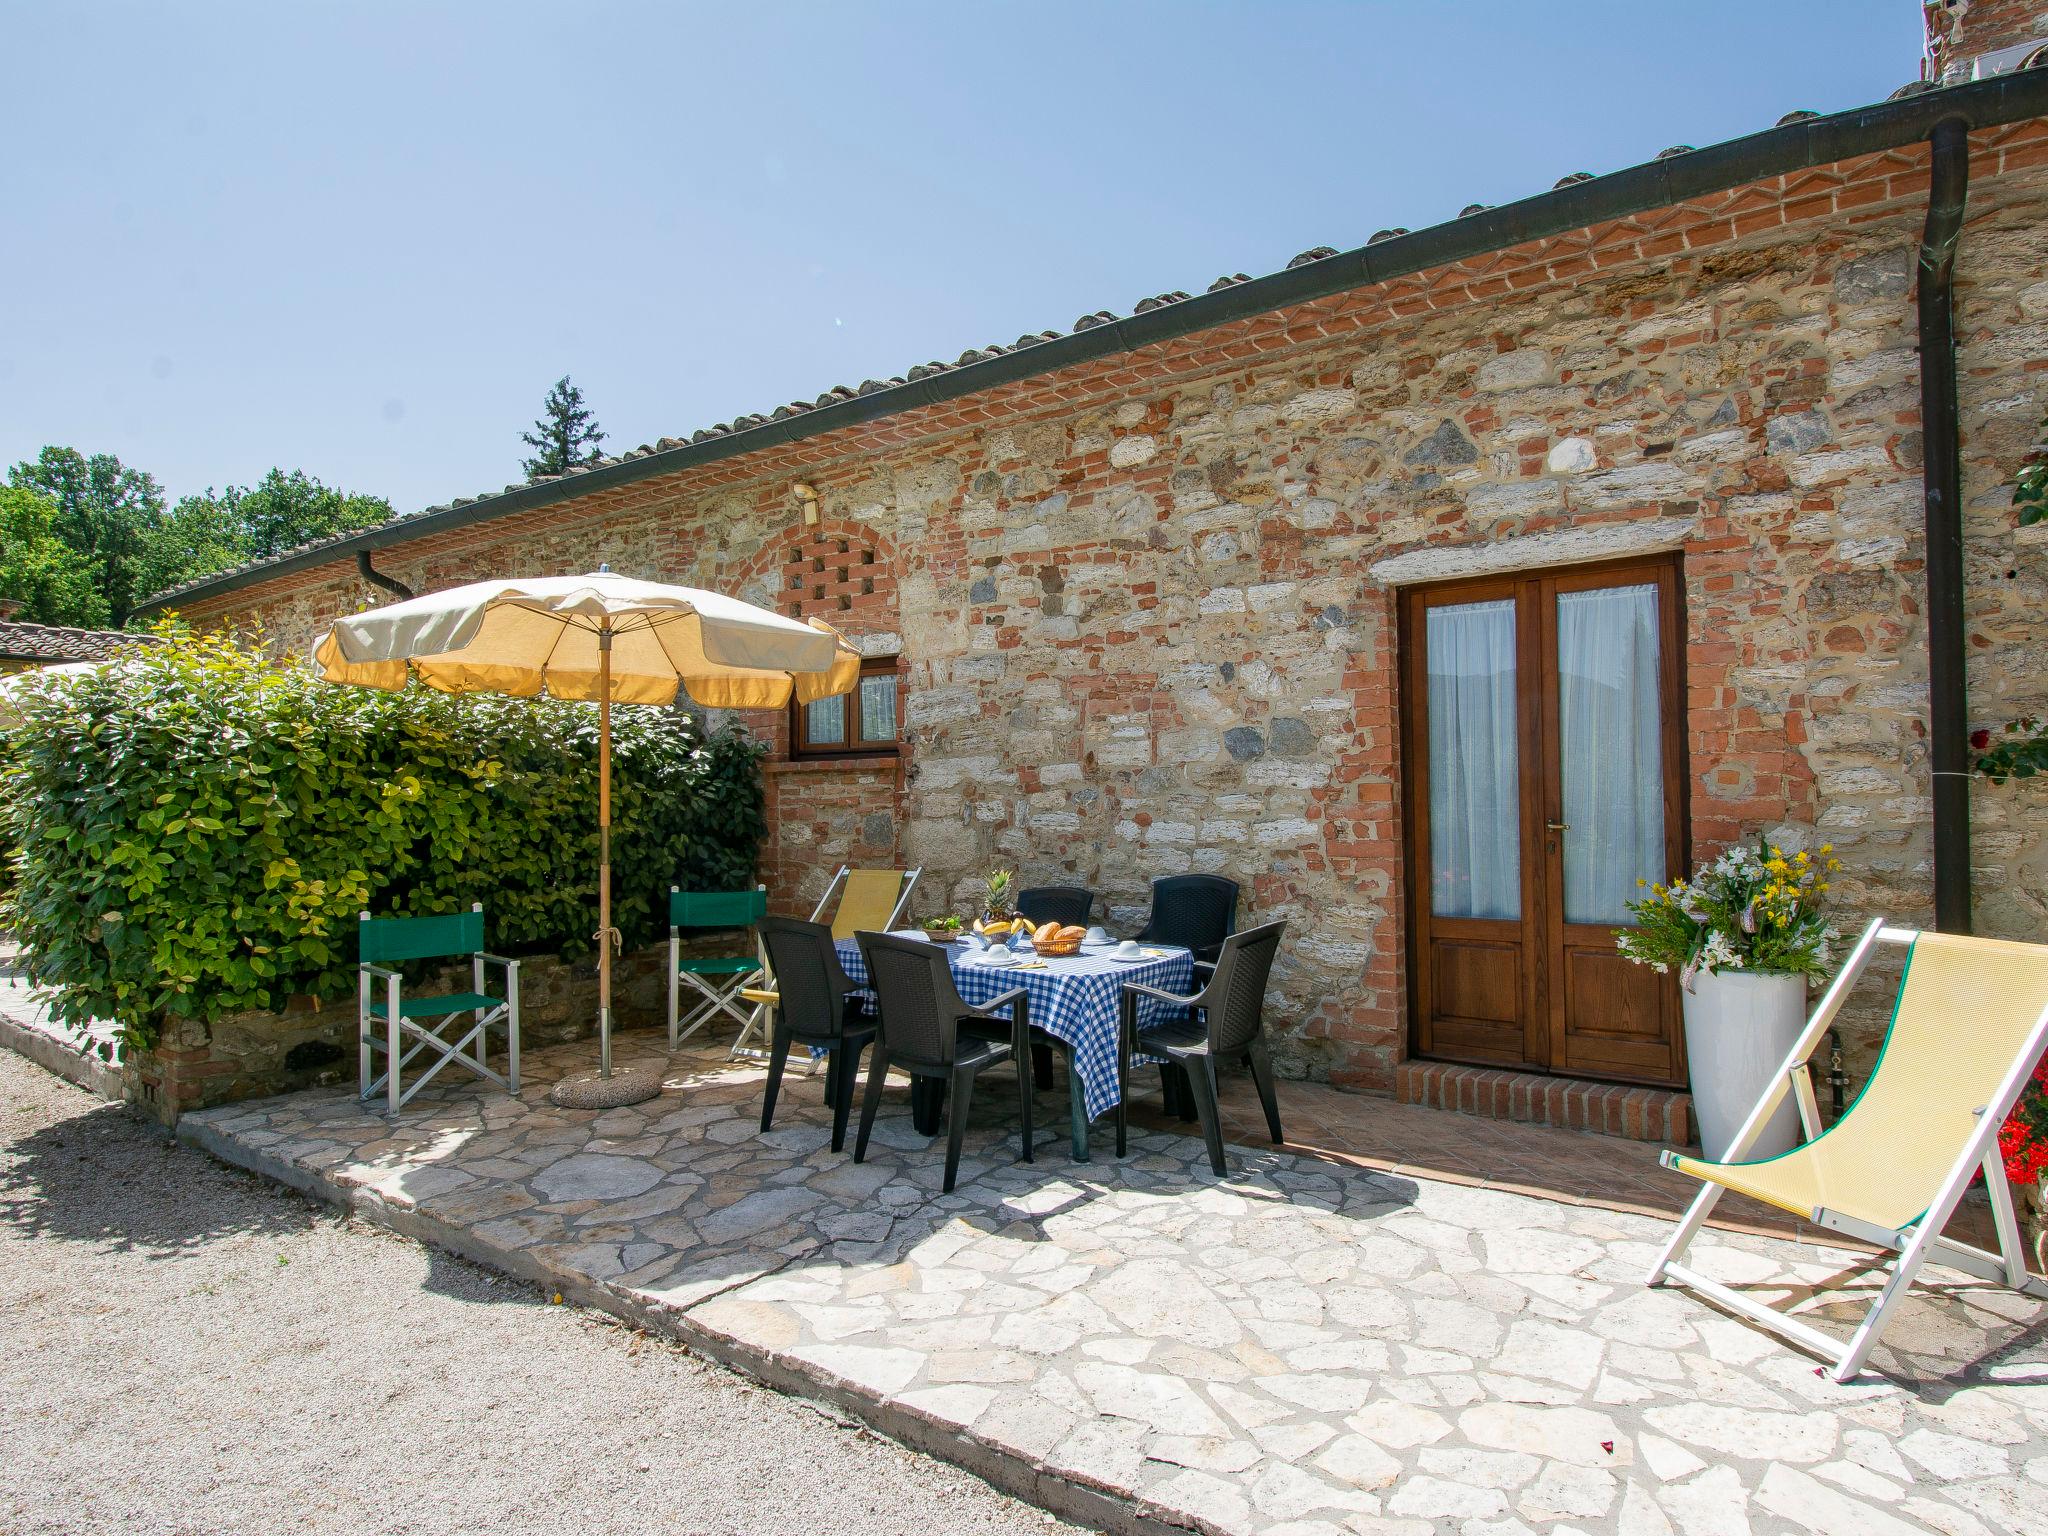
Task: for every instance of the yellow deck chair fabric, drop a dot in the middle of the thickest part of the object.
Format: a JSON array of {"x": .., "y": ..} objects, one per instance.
[
  {"x": 1964, "y": 1011},
  {"x": 868, "y": 902}
]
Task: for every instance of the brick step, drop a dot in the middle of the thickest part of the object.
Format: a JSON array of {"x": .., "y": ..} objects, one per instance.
[{"x": 1494, "y": 1093}]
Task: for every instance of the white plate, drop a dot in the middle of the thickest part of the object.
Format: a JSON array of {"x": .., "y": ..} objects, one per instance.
[
  {"x": 995, "y": 959},
  {"x": 1139, "y": 959}
]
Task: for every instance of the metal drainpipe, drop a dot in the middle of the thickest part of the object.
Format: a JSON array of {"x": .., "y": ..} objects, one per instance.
[
  {"x": 377, "y": 578},
  {"x": 1947, "y": 698}
]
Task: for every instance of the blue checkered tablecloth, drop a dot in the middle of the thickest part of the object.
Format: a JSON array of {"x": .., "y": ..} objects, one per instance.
[{"x": 1073, "y": 999}]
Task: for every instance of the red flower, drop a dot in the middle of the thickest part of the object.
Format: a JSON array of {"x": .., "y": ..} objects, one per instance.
[
  {"x": 2023, "y": 1139},
  {"x": 1980, "y": 739}
]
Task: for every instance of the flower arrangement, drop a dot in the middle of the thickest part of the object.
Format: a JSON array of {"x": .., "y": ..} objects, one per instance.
[{"x": 1753, "y": 909}]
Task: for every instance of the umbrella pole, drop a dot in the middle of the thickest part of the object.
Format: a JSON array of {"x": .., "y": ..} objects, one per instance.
[{"x": 604, "y": 848}]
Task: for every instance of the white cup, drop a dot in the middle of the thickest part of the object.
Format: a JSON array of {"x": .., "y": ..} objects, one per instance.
[
  {"x": 1097, "y": 935},
  {"x": 1129, "y": 950}
]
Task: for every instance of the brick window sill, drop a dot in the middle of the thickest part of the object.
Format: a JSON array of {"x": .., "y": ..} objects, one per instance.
[{"x": 878, "y": 762}]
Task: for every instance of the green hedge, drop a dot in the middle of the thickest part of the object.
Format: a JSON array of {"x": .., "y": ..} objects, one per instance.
[{"x": 198, "y": 827}]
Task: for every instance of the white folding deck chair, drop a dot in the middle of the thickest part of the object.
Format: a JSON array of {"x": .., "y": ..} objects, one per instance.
[
  {"x": 1970, "y": 1022},
  {"x": 870, "y": 900}
]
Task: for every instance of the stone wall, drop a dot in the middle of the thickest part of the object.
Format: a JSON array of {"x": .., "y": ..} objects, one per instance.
[
  {"x": 1145, "y": 609},
  {"x": 250, "y": 1055},
  {"x": 824, "y": 814}
]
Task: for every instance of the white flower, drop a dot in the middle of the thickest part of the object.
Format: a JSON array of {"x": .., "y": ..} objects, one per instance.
[{"x": 1719, "y": 954}]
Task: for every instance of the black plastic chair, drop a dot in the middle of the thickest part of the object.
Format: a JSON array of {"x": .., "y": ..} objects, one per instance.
[
  {"x": 816, "y": 1005},
  {"x": 922, "y": 1033},
  {"x": 1056, "y": 904},
  {"x": 1196, "y": 912},
  {"x": 1229, "y": 1024}
]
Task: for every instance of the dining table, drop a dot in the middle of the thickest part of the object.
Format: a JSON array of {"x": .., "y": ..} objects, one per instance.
[{"x": 1074, "y": 999}]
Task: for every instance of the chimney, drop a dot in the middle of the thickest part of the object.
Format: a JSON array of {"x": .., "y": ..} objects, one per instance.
[
  {"x": 9, "y": 607},
  {"x": 1974, "y": 39}
]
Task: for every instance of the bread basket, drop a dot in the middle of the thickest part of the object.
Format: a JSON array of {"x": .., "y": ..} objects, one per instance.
[{"x": 1064, "y": 944}]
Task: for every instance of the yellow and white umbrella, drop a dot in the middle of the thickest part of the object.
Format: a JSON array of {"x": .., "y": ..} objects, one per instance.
[{"x": 602, "y": 637}]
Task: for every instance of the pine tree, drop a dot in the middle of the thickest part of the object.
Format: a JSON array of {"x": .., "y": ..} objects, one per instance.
[{"x": 566, "y": 436}]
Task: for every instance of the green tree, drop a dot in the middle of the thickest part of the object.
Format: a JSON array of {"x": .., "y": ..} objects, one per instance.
[
  {"x": 105, "y": 512},
  {"x": 53, "y": 582},
  {"x": 565, "y": 436},
  {"x": 282, "y": 511},
  {"x": 195, "y": 538},
  {"x": 217, "y": 529}
]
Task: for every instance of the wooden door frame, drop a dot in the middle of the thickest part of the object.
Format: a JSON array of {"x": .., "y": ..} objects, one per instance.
[
  {"x": 1541, "y": 796},
  {"x": 1422, "y": 923},
  {"x": 1667, "y": 573}
]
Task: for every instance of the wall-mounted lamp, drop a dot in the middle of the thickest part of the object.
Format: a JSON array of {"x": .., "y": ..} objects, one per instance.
[{"x": 805, "y": 496}]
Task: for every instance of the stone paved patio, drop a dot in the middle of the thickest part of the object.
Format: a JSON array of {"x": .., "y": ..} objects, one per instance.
[{"x": 1300, "y": 1348}]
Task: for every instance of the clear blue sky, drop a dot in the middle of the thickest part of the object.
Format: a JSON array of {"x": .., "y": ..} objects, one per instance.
[{"x": 363, "y": 239}]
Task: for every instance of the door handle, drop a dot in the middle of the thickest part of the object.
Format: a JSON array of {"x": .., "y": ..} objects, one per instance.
[{"x": 1558, "y": 826}]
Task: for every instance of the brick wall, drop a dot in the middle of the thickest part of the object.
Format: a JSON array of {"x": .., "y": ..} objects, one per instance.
[
  {"x": 1959, "y": 31},
  {"x": 1145, "y": 607}
]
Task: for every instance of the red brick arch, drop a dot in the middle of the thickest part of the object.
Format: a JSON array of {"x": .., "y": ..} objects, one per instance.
[{"x": 838, "y": 570}]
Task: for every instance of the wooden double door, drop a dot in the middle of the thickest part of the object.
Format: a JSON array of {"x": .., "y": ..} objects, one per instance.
[{"x": 1544, "y": 752}]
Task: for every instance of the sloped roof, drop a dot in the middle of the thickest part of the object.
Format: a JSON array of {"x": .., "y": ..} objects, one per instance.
[
  {"x": 1799, "y": 140},
  {"x": 54, "y": 643}
]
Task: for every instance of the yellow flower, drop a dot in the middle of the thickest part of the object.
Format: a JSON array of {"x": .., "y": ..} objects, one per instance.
[{"x": 1827, "y": 847}]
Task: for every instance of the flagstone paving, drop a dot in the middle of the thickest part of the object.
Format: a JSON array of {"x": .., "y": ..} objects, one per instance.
[{"x": 1299, "y": 1348}]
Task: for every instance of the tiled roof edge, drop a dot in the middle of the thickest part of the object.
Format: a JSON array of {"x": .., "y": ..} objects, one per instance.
[
  {"x": 24, "y": 640},
  {"x": 1798, "y": 143}
]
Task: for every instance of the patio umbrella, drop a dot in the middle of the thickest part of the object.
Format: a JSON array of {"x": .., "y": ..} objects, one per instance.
[{"x": 602, "y": 637}]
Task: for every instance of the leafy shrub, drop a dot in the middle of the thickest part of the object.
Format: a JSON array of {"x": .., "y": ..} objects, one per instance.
[
  {"x": 2020, "y": 752},
  {"x": 197, "y": 827}
]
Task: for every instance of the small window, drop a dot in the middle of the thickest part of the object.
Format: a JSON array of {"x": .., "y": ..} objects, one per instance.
[{"x": 858, "y": 723}]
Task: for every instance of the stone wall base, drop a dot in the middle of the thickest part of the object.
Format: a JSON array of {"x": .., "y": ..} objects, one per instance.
[
  {"x": 1639, "y": 1114},
  {"x": 313, "y": 1043}
]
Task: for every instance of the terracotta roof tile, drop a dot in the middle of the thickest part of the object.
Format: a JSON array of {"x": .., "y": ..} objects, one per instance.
[{"x": 53, "y": 643}]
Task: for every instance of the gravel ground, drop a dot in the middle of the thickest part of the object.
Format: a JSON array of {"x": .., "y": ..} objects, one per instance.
[{"x": 185, "y": 1348}]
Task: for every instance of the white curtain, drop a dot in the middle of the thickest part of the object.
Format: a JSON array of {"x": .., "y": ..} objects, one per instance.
[
  {"x": 1612, "y": 749},
  {"x": 1475, "y": 824}
]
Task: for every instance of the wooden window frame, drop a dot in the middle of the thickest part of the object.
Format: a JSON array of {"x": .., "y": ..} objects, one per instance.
[{"x": 801, "y": 749}]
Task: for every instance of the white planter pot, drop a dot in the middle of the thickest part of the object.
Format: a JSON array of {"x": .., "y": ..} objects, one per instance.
[{"x": 1739, "y": 1027}]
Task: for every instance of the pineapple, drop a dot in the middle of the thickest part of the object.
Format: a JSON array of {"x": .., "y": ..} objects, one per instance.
[{"x": 996, "y": 894}]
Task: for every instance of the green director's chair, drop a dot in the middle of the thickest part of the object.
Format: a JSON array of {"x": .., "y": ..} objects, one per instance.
[
  {"x": 392, "y": 1025},
  {"x": 718, "y": 980}
]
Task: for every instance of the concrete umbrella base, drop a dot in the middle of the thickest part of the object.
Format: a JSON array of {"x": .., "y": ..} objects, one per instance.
[{"x": 590, "y": 1090}]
